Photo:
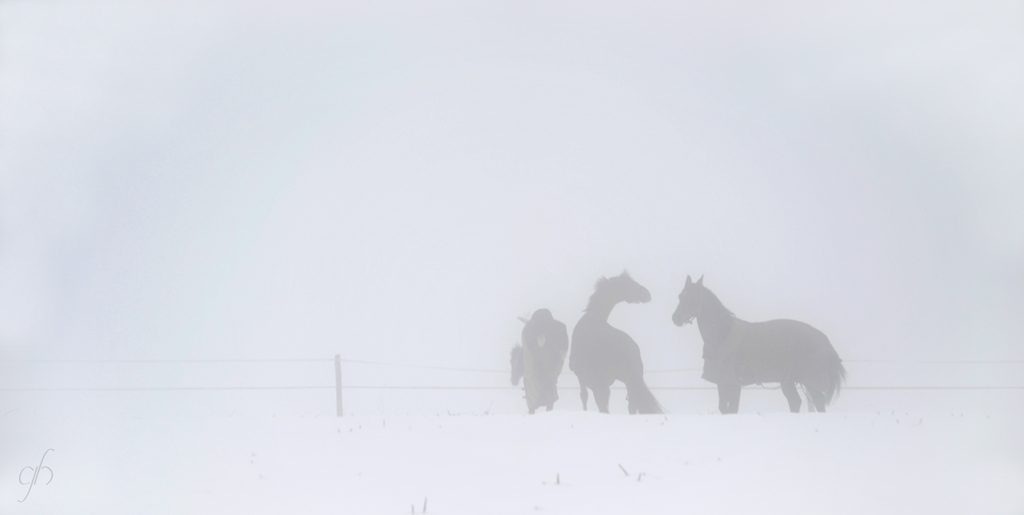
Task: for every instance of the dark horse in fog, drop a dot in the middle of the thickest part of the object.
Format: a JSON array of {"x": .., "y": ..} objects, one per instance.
[
  {"x": 738, "y": 353},
  {"x": 540, "y": 358},
  {"x": 602, "y": 354}
]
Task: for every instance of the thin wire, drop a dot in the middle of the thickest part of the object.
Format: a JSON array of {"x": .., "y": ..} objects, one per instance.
[
  {"x": 298, "y": 360},
  {"x": 933, "y": 388},
  {"x": 369, "y": 387},
  {"x": 452, "y": 369},
  {"x": 428, "y": 367},
  {"x": 162, "y": 389},
  {"x": 752, "y": 387},
  {"x": 90, "y": 361},
  {"x": 965, "y": 362},
  {"x": 432, "y": 388}
]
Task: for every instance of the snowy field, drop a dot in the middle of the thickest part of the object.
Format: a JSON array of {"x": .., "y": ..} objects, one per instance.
[{"x": 850, "y": 460}]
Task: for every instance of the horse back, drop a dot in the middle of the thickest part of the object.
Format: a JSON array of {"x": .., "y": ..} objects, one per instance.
[
  {"x": 775, "y": 350},
  {"x": 792, "y": 330}
]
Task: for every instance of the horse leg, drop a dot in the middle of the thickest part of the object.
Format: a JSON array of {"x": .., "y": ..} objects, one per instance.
[
  {"x": 602, "y": 393},
  {"x": 728, "y": 398},
  {"x": 789, "y": 390},
  {"x": 818, "y": 397},
  {"x": 735, "y": 401},
  {"x": 807, "y": 396},
  {"x": 583, "y": 396},
  {"x": 554, "y": 392}
]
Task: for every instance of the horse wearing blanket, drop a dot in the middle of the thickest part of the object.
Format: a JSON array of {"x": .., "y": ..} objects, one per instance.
[{"x": 738, "y": 353}]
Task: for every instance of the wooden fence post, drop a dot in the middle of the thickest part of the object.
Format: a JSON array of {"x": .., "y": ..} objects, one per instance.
[{"x": 337, "y": 380}]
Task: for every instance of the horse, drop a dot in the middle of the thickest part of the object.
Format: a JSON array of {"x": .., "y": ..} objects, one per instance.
[
  {"x": 738, "y": 353},
  {"x": 602, "y": 354},
  {"x": 540, "y": 358}
]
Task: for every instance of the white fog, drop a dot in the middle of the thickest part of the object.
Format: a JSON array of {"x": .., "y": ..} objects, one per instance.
[{"x": 202, "y": 204}]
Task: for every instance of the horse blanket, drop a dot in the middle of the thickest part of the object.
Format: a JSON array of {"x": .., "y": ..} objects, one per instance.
[{"x": 752, "y": 353}]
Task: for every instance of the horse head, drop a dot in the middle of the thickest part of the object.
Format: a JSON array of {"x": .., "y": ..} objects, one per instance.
[
  {"x": 517, "y": 364},
  {"x": 622, "y": 288},
  {"x": 691, "y": 300}
]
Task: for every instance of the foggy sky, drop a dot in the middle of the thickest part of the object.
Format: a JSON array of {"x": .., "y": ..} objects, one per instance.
[{"x": 399, "y": 182}]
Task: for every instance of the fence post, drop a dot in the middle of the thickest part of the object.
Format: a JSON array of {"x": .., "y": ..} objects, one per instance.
[{"x": 337, "y": 380}]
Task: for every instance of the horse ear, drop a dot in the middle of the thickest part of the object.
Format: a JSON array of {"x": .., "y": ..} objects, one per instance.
[
  {"x": 689, "y": 281},
  {"x": 700, "y": 282}
]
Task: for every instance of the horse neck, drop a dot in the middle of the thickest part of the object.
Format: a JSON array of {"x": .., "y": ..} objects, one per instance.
[
  {"x": 714, "y": 321},
  {"x": 600, "y": 308}
]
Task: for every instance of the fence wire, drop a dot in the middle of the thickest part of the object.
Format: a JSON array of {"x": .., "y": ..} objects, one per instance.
[
  {"x": 377, "y": 387},
  {"x": 441, "y": 368}
]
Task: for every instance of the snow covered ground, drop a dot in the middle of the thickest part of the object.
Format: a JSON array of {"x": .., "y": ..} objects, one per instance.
[{"x": 561, "y": 462}]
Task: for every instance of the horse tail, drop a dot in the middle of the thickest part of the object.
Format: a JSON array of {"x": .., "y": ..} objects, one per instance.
[
  {"x": 641, "y": 397},
  {"x": 836, "y": 375}
]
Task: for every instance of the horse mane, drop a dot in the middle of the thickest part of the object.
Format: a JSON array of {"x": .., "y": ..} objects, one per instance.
[
  {"x": 600, "y": 288},
  {"x": 712, "y": 299}
]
